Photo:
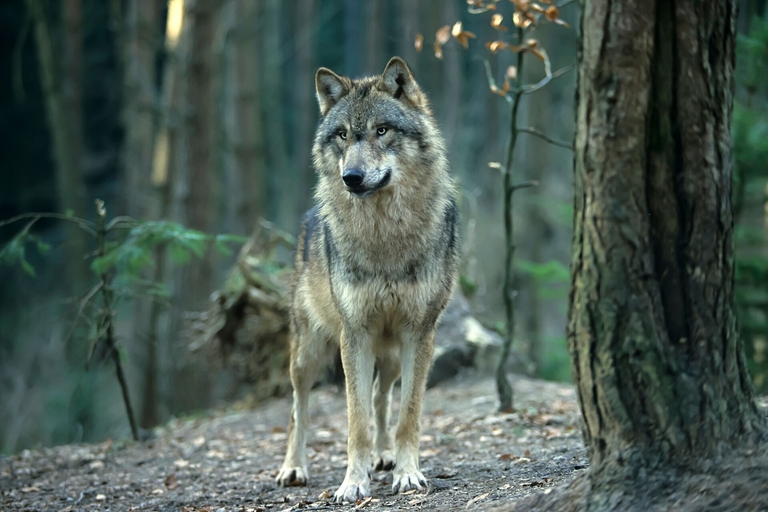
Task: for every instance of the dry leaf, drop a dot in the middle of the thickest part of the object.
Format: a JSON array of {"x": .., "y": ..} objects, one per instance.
[
  {"x": 496, "y": 90},
  {"x": 418, "y": 43},
  {"x": 438, "y": 51},
  {"x": 464, "y": 37},
  {"x": 512, "y": 72},
  {"x": 443, "y": 35},
  {"x": 181, "y": 463},
  {"x": 476, "y": 499},
  {"x": 527, "y": 454},
  {"x": 503, "y": 456},
  {"x": 29, "y": 489},
  {"x": 521, "y": 19},
  {"x": 495, "y": 46},
  {"x": 537, "y": 8},
  {"x": 521, "y": 5},
  {"x": 496, "y": 20},
  {"x": 552, "y": 13},
  {"x": 364, "y": 502},
  {"x": 278, "y": 430},
  {"x": 100, "y": 497},
  {"x": 171, "y": 481},
  {"x": 325, "y": 495},
  {"x": 456, "y": 30}
]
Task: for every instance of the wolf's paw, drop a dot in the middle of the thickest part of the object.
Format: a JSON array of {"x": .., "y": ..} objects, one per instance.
[
  {"x": 352, "y": 491},
  {"x": 292, "y": 476},
  {"x": 384, "y": 461},
  {"x": 405, "y": 481}
]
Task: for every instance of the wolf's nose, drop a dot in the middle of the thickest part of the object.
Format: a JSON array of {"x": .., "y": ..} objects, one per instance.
[{"x": 352, "y": 177}]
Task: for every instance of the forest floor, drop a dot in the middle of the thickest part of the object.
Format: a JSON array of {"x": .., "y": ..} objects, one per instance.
[{"x": 474, "y": 457}]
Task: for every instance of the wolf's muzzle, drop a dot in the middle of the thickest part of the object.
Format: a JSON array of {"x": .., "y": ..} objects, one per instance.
[{"x": 355, "y": 182}]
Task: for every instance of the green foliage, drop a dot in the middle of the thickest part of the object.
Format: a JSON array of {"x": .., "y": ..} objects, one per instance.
[
  {"x": 551, "y": 278},
  {"x": 468, "y": 286},
  {"x": 557, "y": 365},
  {"x": 15, "y": 251}
]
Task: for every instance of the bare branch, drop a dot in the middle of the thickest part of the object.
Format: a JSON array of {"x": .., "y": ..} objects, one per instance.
[
  {"x": 544, "y": 136},
  {"x": 524, "y": 184},
  {"x": 492, "y": 81},
  {"x": 544, "y": 81},
  {"x": 82, "y": 223}
]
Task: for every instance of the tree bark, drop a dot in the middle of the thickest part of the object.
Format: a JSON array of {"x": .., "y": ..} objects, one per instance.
[
  {"x": 65, "y": 152},
  {"x": 250, "y": 144},
  {"x": 141, "y": 100},
  {"x": 281, "y": 207},
  {"x": 306, "y": 20},
  {"x": 201, "y": 191},
  {"x": 652, "y": 334}
]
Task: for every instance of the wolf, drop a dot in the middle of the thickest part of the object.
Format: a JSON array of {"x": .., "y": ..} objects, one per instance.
[{"x": 376, "y": 263}]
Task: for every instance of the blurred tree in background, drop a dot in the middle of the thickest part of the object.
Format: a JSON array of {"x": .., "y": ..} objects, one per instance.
[{"x": 201, "y": 112}]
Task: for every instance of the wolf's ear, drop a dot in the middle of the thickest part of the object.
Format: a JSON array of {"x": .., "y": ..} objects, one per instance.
[
  {"x": 397, "y": 79},
  {"x": 330, "y": 89}
]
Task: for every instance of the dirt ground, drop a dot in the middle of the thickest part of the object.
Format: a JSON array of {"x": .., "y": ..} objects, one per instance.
[{"x": 474, "y": 457}]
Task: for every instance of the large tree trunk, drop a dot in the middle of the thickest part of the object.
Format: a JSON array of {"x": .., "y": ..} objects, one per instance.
[
  {"x": 666, "y": 400},
  {"x": 656, "y": 356},
  {"x": 200, "y": 200}
]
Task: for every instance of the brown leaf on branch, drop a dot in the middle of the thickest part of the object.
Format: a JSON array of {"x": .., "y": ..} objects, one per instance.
[
  {"x": 418, "y": 43},
  {"x": 496, "y": 20},
  {"x": 551, "y": 13},
  {"x": 522, "y": 19},
  {"x": 522, "y": 5},
  {"x": 461, "y": 35},
  {"x": 443, "y": 35},
  {"x": 438, "y": 50},
  {"x": 495, "y": 46},
  {"x": 537, "y": 8}
]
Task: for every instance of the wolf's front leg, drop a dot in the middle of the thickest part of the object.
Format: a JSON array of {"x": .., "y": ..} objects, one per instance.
[
  {"x": 304, "y": 371},
  {"x": 358, "y": 360},
  {"x": 416, "y": 357}
]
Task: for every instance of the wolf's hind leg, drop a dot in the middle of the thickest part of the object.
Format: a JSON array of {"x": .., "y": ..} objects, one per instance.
[
  {"x": 416, "y": 355},
  {"x": 304, "y": 372},
  {"x": 384, "y": 452}
]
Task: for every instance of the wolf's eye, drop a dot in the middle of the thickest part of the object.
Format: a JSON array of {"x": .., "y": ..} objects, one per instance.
[
  {"x": 343, "y": 135},
  {"x": 381, "y": 131}
]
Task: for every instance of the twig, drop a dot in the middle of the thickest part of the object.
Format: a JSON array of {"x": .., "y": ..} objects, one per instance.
[
  {"x": 83, "y": 302},
  {"x": 86, "y": 225},
  {"x": 544, "y": 81},
  {"x": 542, "y": 135}
]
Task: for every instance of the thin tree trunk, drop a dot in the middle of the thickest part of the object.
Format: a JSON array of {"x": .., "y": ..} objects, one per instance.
[
  {"x": 65, "y": 151},
  {"x": 201, "y": 189},
  {"x": 250, "y": 140},
  {"x": 276, "y": 151},
  {"x": 140, "y": 50},
  {"x": 305, "y": 100},
  {"x": 657, "y": 359}
]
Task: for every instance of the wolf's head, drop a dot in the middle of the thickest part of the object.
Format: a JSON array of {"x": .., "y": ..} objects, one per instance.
[{"x": 375, "y": 132}]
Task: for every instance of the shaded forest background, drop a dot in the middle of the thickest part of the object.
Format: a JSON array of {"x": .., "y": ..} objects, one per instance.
[{"x": 203, "y": 111}]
